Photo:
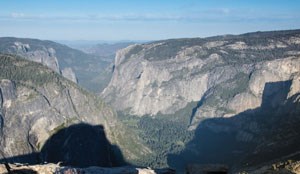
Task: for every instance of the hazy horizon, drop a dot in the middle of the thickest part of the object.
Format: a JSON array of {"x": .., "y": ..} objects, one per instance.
[{"x": 134, "y": 20}]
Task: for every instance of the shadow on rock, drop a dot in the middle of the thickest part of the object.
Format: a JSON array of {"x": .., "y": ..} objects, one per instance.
[
  {"x": 249, "y": 138},
  {"x": 22, "y": 171},
  {"x": 81, "y": 145}
]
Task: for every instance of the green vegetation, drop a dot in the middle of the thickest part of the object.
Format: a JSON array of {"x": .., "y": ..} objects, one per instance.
[
  {"x": 164, "y": 137},
  {"x": 169, "y": 48},
  {"x": 230, "y": 88},
  {"x": 163, "y": 134}
]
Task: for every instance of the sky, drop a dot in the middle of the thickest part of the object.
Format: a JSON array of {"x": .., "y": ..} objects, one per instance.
[{"x": 143, "y": 19}]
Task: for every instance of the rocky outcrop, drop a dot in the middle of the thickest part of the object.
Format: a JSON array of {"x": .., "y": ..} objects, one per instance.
[
  {"x": 46, "y": 56},
  {"x": 69, "y": 74}
]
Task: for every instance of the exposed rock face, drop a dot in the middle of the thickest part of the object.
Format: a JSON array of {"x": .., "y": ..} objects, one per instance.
[
  {"x": 46, "y": 56},
  {"x": 36, "y": 103},
  {"x": 227, "y": 74},
  {"x": 251, "y": 96},
  {"x": 152, "y": 87},
  {"x": 69, "y": 74}
]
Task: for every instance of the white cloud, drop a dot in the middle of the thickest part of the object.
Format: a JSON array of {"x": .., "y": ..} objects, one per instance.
[
  {"x": 211, "y": 15},
  {"x": 17, "y": 15}
]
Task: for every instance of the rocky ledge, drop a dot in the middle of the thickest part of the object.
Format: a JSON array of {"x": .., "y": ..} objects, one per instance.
[{"x": 57, "y": 169}]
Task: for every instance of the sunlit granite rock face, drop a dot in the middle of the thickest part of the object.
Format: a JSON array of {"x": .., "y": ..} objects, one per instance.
[
  {"x": 226, "y": 74},
  {"x": 69, "y": 74}
]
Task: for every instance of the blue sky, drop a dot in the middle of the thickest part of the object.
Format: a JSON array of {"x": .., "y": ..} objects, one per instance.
[{"x": 143, "y": 20}]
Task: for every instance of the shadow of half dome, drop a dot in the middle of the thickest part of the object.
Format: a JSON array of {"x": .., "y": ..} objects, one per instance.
[{"x": 79, "y": 145}]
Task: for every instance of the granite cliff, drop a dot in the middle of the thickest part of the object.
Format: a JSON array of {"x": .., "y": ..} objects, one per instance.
[
  {"x": 230, "y": 89},
  {"x": 228, "y": 72}
]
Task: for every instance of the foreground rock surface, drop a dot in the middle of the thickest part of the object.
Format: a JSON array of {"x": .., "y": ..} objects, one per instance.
[
  {"x": 56, "y": 169},
  {"x": 285, "y": 167}
]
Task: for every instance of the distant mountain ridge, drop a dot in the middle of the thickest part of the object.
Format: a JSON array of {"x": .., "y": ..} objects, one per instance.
[{"x": 103, "y": 49}]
